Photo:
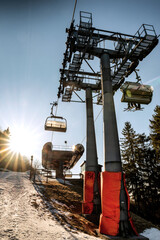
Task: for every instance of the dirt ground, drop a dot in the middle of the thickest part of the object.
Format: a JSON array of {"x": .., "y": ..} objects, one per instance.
[{"x": 67, "y": 198}]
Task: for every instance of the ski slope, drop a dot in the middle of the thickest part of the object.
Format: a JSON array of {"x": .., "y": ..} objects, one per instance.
[{"x": 23, "y": 214}]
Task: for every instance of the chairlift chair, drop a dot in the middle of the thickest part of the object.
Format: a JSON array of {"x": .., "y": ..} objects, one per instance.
[
  {"x": 55, "y": 123},
  {"x": 134, "y": 92}
]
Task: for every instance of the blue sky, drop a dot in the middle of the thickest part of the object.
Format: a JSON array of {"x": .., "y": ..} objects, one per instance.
[{"x": 32, "y": 43}]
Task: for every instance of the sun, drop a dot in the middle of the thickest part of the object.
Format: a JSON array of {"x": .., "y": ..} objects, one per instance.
[{"x": 22, "y": 140}]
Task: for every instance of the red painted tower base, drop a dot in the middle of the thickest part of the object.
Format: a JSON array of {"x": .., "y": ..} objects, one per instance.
[
  {"x": 88, "y": 192},
  {"x": 110, "y": 200}
]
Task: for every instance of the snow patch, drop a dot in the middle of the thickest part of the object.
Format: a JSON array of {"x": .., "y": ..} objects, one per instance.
[
  {"x": 59, "y": 203},
  {"x": 152, "y": 234},
  {"x": 64, "y": 181}
]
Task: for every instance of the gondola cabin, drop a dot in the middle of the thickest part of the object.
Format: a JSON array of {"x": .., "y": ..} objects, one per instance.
[
  {"x": 59, "y": 125},
  {"x": 136, "y": 93}
]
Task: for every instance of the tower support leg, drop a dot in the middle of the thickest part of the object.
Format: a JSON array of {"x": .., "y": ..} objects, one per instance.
[
  {"x": 91, "y": 196},
  {"x": 114, "y": 219},
  {"x": 59, "y": 171}
]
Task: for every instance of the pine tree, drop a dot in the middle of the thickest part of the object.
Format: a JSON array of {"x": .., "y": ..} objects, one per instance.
[
  {"x": 4, "y": 139},
  {"x": 129, "y": 159},
  {"x": 155, "y": 129},
  {"x": 151, "y": 184},
  {"x": 142, "y": 172},
  {"x": 140, "y": 152}
]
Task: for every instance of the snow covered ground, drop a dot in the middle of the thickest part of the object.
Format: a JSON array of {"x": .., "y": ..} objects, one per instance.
[
  {"x": 23, "y": 214},
  {"x": 152, "y": 234}
]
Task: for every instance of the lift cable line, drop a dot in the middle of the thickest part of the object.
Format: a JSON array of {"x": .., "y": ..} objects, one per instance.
[
  {"x": 152, "y": 80},
  {"x": 94, "y": 122},
  {"x": 74, "y": 10}
]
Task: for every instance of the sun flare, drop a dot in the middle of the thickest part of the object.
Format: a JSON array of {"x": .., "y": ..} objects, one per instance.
[{"x": 22, "y": 140}]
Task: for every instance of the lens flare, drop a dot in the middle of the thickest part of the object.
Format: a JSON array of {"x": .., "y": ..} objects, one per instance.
[{"x": 22, "y": 140}]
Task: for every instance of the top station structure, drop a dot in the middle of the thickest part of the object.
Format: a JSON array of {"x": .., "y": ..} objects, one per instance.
[{"x": 117, "y": 63}]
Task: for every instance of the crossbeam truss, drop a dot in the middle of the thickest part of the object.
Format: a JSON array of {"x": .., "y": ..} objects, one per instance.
[{"x": 84, "y": 43}]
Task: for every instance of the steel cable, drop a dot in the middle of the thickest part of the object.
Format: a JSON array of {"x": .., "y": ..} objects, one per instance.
[{"x": 94, "y": 122}]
